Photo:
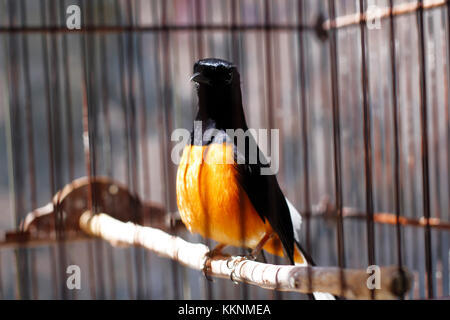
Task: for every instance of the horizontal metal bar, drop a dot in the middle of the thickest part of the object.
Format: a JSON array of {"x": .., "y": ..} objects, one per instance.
[
  {"x": 154, "y": 28},
  {"x": 383, "y": 218},
  {"x": 339, "y": 22}
]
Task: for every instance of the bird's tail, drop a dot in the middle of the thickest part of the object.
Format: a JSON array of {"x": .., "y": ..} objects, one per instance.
[{"x": 303, "y": 259}]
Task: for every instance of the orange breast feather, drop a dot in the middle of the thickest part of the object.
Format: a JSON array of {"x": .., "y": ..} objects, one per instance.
[
  {"x": 210, "y": 200},
  {"x": 212, "y": 203}
]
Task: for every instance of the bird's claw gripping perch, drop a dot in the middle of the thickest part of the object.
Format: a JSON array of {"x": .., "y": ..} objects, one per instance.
[
  {"x": 217, "y": 251},
  {"x": 233, "y": 262},
  {"x": 205, "y": 270}
]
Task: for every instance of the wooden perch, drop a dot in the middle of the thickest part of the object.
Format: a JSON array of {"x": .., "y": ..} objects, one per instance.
[
  {"x": 276, "y": 277},
  {"x": 108, "y": 196},
  {"x": 38, "y": 227}
]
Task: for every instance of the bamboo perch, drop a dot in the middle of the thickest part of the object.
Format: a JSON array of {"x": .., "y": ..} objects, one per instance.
[
  {"x": 38, "y": 226},
  {"x": 276, "y": 277}
]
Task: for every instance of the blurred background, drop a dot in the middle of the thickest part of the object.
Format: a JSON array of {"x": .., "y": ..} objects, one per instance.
[{"x": 362, "y": 109}]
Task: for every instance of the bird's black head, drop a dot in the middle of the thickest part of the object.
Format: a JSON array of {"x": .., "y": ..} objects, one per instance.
[
  {"x": 213, "y": 72},
  {"x": 219, "y": 93}
]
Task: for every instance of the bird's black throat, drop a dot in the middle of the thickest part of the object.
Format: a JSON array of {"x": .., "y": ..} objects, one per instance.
[{"x": 220, "y": 107}]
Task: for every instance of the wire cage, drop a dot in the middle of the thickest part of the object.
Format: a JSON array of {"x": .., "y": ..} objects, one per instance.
[{"x": 357, "y": 89}]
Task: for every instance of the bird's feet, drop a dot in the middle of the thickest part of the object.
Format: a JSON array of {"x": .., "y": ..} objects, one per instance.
[
  {"x": 206, "y": 269},
  {"x": 233, "y": 262},
  {"x": 217, "y": 251}
]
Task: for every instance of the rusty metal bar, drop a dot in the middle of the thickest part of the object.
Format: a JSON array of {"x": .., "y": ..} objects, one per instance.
[
  {"x": 269, "y": 98},
  {"x": 304, "y": 133},
  {"x": 424, "y": 150},
  {"x": 367, "y": 142},
  {"x": 152, "y": 28},
  {"x": 166, "y": 125},
  {"x": 445, "y": 247},
  {"x": 45, "y": 60},
  {"x": 337, "y": 145},
  {"x": 108, "y": 150},
  {"x": 146, "y": 192},
  {"x": 16, "y": 136},
  {"x": 132, "y": 128},
  {"x": 93, "y": 125},
  {"x": 124, "y": 104},
  {"x": 395, "y": 120},
  {"x": 333, "y": 23},
  {"x": 56, "y": 139},
  {"x": 68, "y": 102},
  {"x": 382, "y": 218},
  {"x": 30, "y": 141},
  {"x": 87, "y": 131}
]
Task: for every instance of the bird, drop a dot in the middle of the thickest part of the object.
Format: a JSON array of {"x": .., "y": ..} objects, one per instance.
[{"x": 223, "y": 195}]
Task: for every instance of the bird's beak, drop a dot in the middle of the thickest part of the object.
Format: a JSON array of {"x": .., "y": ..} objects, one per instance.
[{"x": 199, "y": 78}]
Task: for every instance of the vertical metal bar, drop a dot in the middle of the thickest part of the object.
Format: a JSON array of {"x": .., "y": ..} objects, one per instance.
[
  {"x": 268, "y": 62},
  {"x": 236, "y": 60},
  {"x": 269, "y": 89},
  {"x": 198, "y": 46},
  {"x": 68, "y": 102},
  {"x": 435, "y": 151},
  {"x": 123, "y": 89},
  {"x": 159, "y": 94},
  {"x": 93, "y": 122},
  {"x": 412, "y": 183},
  {"x": 304, "y": 124},
  {"x": 397, "y": 181},
  {"x": 58, "y": 144},
  {"x": 132, "y": 126},
  {"x": 200, "y": 49},
  {"x": 124, "y": 104},
  {"x": 445, "y": 250},
  {"x": 87, "y": 136},
  {"x": 424, "y": 153},
  {"x": 235, "y": 38},
  {"x": 30, "y": 142},
  {"x": 166, "y": 127},
  {"x": 22, "y": 278},
  {"x": 109, "y": 162},
  {"x": 198, "y": 13},
  {"x": 367, "y": 144},
  {"x": 337, "y": 145},
  {"x": 144, "y": 130},
  {"x": 52, "y": 250},
  {"x": 142, "y": 87},
  {"x": 2, "y": 295}
]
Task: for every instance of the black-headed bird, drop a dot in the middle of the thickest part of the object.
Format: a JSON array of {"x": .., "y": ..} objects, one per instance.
[{"x": 222, "y": 193}]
